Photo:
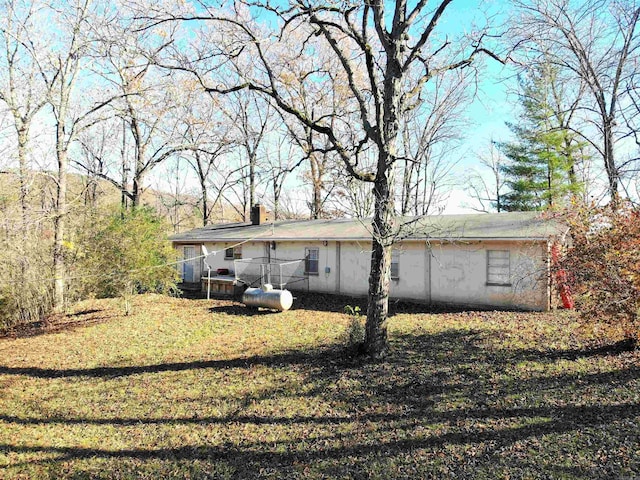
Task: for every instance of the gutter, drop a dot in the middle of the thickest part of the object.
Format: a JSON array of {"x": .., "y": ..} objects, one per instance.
[{"x": 360, "y": 239}]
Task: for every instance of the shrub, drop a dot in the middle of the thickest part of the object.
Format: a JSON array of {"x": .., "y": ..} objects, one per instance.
[
  {"x": 603, "y": 264},
  {"x": 355, "y": 332},
  {"x": 25, "y": 282},
  {"x": 25, "y": 287},
  {"x": 127, "y": 253}
]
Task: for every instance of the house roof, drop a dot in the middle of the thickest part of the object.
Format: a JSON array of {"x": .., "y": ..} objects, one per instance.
[{"x": 496, "y": 226}]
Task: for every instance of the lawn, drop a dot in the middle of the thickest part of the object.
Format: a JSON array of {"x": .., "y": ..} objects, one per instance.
[{"x": 196, "y": 389}]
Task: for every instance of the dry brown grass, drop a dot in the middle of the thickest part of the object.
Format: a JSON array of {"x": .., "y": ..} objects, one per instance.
[{"x": 197, "y": 389}]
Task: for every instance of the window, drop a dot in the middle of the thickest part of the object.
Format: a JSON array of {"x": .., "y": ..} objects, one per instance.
[
  {"x": 311, "y": 256},
  {"x": 395, "y": 265},
  {"x": 233, "y": 253},
  {"x": 498, "y": 267}
]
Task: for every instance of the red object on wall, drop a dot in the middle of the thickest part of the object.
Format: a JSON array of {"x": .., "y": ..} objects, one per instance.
[{"x": 561, "y": 278}]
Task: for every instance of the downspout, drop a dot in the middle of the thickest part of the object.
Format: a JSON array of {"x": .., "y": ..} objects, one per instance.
[
  {"x": 430, "y": 277},
  {"x": 427, "y": 275},
  {"x": 338, "y": 267}
]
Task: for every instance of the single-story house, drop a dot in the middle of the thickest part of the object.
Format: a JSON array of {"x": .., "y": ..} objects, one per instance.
[{"x": 487, "y": 260}]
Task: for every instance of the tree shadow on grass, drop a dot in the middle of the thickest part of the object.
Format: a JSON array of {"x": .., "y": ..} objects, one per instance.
[
  {"x": 436, "y": 395},
  {"x": 47, "y": 327},
  {"x": 280, "y": 359},
  {"x": 249, "y": 458},
  {"x": 239, "y": 309},
  {"x": 575, "y": 415},
  {"x": 611, "y": 349},
  {"x": 88, "y": 311}
]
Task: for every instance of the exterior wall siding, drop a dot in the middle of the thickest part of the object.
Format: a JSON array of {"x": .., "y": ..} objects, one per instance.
[
  {"x": 355, "y": 264},
  {"x": 437, "y": 273},
  {"x": 413, "y": 268},
  {"x": 325, "y": 280},
  {"x": 459, "y": 275}
]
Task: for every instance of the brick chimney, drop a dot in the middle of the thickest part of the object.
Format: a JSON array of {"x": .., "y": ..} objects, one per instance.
[{"x": 258, "y": 214}]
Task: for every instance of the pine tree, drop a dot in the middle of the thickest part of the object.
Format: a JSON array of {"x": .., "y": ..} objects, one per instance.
[{"x": 540, "y": 173}]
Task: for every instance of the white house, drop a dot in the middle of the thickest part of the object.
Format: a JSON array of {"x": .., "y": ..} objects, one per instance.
[{"x": 486, "y": 260}]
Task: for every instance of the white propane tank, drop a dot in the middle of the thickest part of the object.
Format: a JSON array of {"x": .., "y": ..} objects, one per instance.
[{"x": 268, "y": 297}]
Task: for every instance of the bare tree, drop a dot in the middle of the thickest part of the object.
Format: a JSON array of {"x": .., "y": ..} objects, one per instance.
[
  {"x": 280, "y": 161},
  {"x": 21, "y": 86},
  {"x": 378, "y": 53},
  {"x": 597, "y": 43},
  {"x": 251, "y": 118},
  {"x": 352, "y": 198},
  {"x": 631, "y": 116},
  {"x": 430, "y": 132},
  {"x": 146, "y": 107},
  {"x": 61, "y": 72},
  {"x": 319, "y": 161},
  {"x": 204, "y": 127},
  {"x": 485, "y": 185},
  {"x": 315, "y": 100},
  {"x": 97, "y": 146},
  {"x": 172, "y": 199}
]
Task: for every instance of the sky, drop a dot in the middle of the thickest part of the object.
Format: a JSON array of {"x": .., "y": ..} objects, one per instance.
[
  {"x": 489, "y": 111},
  {"x": 494, "y": 106}
]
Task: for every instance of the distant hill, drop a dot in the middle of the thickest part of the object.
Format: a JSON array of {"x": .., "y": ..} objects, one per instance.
[{"x": 181, "y": 212}]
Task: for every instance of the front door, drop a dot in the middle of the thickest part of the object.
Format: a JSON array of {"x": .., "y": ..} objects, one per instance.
[{"x": 189, "y": 264}]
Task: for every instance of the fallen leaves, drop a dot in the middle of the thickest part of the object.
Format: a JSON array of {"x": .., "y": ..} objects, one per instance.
[{"x": 195, "y": 389}]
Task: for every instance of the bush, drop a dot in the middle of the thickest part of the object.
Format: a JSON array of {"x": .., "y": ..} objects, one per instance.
[
  {"x": 127, "y": 253},
  {"x": 603, "y": 265},
  {"x": 25, "y": 283},
  {"x": 25, "y": 277},
  {"x": 355, "y": 332}
]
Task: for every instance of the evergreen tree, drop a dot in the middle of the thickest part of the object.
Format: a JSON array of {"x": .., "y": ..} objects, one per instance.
[{"x": 540, "y": 173}]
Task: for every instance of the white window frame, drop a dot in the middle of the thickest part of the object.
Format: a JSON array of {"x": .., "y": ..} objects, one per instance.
[
  {"x": 308, "y": 260},
  {"x": 395, "y": 260},
  {"x": 499, "y": 268}
]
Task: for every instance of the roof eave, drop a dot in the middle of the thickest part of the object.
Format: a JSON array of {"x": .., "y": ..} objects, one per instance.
[{"x": 358, "y": 239}]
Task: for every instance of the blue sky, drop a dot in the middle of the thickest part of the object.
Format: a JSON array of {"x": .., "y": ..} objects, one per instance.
[{"x": 495, "y": 102}]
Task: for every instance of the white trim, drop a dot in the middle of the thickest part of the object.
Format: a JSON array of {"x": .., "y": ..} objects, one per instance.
[{"x": 364, "y": 239}]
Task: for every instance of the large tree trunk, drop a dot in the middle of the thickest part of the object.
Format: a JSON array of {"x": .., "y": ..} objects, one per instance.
[
  {"x": 59, "y": 270},
  {"x": 135, "y": 193},
  {"x": 205, "y": 204},
  {"x": 202, "y": 179},
  {"x": 277, "y": 190},
  {"x": 316, "y": 180},
  {"x": 252, "y": 180},
  {"x": 137, "y": 189},
  {"x": 23, "y": 170},
  {"x": 384, "y": 214},
  {"x": 125, "y": 169},
  {"x": 380, "y": 276}
]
